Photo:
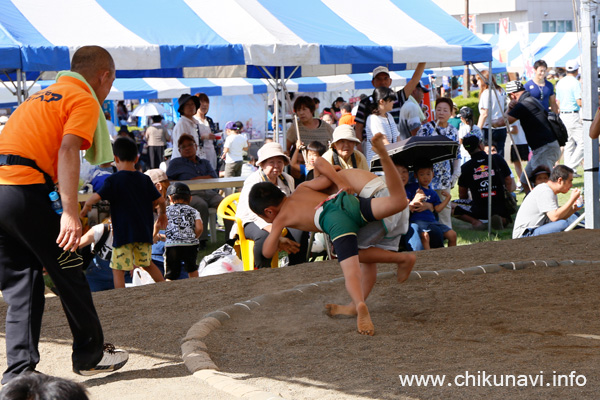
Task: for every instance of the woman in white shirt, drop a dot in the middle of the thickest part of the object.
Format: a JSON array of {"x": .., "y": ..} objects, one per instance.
[
  {"x": 206, "y": 130},
  {"x": 379, "y": 119},
  {"x": 188, "y": 105},
  {"x": 498, "y": 96}
]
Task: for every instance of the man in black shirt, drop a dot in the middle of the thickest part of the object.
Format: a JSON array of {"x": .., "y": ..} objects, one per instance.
[
  {"x": 474, "y": 177},
  {"x": 534, "y": 120}
]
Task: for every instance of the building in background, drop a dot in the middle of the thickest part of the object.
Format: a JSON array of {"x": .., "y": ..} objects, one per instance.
[{"x": 543, "y": 15}]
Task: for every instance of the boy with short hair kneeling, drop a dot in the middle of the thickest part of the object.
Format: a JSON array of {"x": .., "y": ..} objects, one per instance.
[
  {"x": 133, "y": 198},
  {"x": 426, "y": 219},
  {"x": 340, "y": 216}
]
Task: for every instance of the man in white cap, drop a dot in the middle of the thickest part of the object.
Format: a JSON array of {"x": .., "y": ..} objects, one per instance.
[
  {"x": 343, "y": 149},
  {"x": 523, "y": 107},
  {"x": 381, "y": 78},
  {"x": 568, "y": 96}
]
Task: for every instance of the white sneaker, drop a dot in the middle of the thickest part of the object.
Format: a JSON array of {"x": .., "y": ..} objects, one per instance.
[{"x": 112, "y": 360}]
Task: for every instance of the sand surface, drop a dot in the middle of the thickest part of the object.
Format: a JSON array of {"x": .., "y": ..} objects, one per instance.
[{"x": 506, "y": 323}]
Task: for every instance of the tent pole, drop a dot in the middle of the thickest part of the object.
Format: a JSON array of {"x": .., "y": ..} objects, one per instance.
[
  {"x": 489, "y": 138},
  {"x": 266, "y": 126},
  {"x": 19, "y": 88},
  {"x": 270, "y": 78},
  {"x": 34, "y": 82},
  {"x": 589, "y": 76},
  {"x": 14, "y": 92},
  {"x": 292, "y": 74},
  {"x": 25, "y": 88},
  {"x": 276, "y": 115},
  {"x": 275, "y": 85},
  {"x": 283, "y": 101}
]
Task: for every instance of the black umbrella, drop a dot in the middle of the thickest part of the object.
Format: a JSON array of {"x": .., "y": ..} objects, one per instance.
[{"x": 408, "y": 151}]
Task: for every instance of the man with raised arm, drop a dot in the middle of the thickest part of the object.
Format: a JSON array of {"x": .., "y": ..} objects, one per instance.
[{"x": 381, "y": 78}]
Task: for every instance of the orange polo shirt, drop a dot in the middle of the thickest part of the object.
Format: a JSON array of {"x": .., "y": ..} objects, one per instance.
[
  {"x": 35, "y": 130},
  {"x": 346, "y": 119}
]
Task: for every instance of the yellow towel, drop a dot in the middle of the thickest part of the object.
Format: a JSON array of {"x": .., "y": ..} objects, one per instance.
[{"x": 100, "y": 151}]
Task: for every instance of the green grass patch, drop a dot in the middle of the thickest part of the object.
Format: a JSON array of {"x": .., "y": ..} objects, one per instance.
[{"x": 466, "y": 235}]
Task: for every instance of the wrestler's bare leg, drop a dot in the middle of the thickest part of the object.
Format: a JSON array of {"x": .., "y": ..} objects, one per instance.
[
  {"x": 368, "y": 279},
  {"x": 404, "y": 261},
  {"x": 352, "y": 276}
]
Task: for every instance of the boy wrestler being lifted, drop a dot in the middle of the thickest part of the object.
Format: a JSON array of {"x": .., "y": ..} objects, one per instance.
[{"x": 340, "y": 216}]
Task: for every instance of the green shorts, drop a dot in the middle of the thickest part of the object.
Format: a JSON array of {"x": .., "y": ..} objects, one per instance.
[
  {"x": 126, "y": 256},
  {"x": 343, "y": 215}
]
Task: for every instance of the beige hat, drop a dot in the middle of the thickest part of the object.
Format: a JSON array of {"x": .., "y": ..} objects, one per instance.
[
  {"x": 270, "y": 150},
  {"x": 379, "y": 70},
  {"x": 157, "y": 175},
  {"x": 345, "y": 132}
]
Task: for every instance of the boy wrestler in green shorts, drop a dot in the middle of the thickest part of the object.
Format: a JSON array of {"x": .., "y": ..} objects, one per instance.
[
  {"x": 375, "y": 238},
  {"x": 340, "y": 216}
]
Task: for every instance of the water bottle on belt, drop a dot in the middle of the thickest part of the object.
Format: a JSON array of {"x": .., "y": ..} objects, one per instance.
[{"x": 55, "y": 202}]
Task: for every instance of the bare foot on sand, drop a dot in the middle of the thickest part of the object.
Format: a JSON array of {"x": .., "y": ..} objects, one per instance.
[
  {"x": 339, "y": 309},
  {"x": 363, "y": 321},
  {"x": 405, "y": 267}
]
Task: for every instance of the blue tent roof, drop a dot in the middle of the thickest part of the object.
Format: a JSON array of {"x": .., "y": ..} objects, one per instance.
[
  {"x": 167, "y": 38},
  {"x": 10, "y": 54}
]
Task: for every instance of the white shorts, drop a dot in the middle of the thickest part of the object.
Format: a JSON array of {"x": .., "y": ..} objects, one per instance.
[{"x": 386, "y": 233}]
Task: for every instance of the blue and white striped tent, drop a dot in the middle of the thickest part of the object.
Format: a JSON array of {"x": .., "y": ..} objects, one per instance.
[
  {"x": 554, "y": 48},
  {"x": 179, "y": 38},
  {"x": 168, "y": 88}
]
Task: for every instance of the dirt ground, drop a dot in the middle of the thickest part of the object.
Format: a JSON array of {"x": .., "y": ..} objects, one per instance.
[{"x": 470, "y": 328}]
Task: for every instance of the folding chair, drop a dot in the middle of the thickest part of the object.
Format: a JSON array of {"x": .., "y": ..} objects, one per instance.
[{"x": 244, "y": 246}]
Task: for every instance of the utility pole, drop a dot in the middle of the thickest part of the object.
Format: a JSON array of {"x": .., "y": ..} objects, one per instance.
[
  {"x": 589, "y": 99},
  {"x": 466, "y": 77}
]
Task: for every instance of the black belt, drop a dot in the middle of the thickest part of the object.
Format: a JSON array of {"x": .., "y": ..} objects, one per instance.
[
  {"x": 11, "y": 159},
  {"x": 569, "y": 112}
]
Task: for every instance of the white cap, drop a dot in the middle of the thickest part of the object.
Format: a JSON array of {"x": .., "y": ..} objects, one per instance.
[
  {"x": 379, "y": 70},
  {"x": 572, "y": 65}
]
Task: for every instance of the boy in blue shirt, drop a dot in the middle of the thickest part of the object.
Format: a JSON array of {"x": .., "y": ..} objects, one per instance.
[
  {"x": 426, "y": 219},
  {"x": 132, "y": 197}
]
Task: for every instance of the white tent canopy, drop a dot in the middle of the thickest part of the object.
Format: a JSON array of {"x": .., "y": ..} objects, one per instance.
[
  {"x": 166, "y": 38},
  {"x": 270, "y": 39}
]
